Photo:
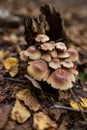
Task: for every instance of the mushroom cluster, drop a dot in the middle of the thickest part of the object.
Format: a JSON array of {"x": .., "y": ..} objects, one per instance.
[{"x": 51, "y": 62}]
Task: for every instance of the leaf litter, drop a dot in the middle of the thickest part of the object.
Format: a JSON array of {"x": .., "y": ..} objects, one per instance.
[{"x": 30, "y": 101}]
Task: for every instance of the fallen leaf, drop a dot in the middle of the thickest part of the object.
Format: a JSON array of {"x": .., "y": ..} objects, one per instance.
[
  {"x": 74, "y": 105},
  {"x": 19, "y": 112},
  {"x": 13, "y": 38},
  {"x": 10, "y": 62},
  {"x": 29, "y": 100},
  {"x": 42, "y": 122},
  {"x": 4, "y": 113},
  {"x": 82, "y": 104},
  {"x": 64, "y": 123},
  {"x": 3, "y": 53},
  {"x": 13, "y": 71}
]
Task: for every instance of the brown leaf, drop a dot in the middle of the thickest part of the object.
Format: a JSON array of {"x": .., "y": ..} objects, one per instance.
[
  {"x": 29, "y": 100},
  {"x": 42, "y": 122},
  {"x": 4, "y": 113},
  {"x": 20, "y": 113}
]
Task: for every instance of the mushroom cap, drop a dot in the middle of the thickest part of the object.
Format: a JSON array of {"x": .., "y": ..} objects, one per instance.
[
  {"x": 41, "y": 38},
  {"x": 67, "y": 63},
  {"x": 55, "y": 63},
  {"x": 48, "y": 46},
  {"x": 60, "y": 79},
  {"x": 73, "y": 54},
  {"x": 23, "y": 56},
  {"x": 74, "y": 71},
  {"x": 33, "y": 53},
  {"x": 61, "y": 46},
  {"x": 38, "y": 69},
  {"x": 53, "y": 53},
  {"x": 63, "y": 55},
  {"x": 46, "y": 57}
]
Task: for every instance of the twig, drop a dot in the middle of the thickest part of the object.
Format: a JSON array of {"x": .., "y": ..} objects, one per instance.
[
  {"x": 68, "y": 108},
  {"x": 17, "y": 80}
]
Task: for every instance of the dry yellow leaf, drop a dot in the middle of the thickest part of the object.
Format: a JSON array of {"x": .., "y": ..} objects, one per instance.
[
  {"x": 13, "y": 38},
  {"x": 74, "y": 104},
  {"x": 82, "y": 104},
  {"x": 13, "y": 71},
  {"x": 20, "y": 113},
  {"x": 10, "y": 62},
  {"x": 42, "y": 122},
  {"x": 29, "y": 100},
  {"x": 1, "y": 54}
]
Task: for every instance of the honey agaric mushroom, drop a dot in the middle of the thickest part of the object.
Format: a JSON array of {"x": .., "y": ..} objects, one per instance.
[
  {"x": 74, "y": 71},
  {"x": 63, "y": 55},
  {"x": 23, "y": 56},
  {"x": 48, "y": 46},
  {"x": 61, "y": 46},
  {"x": 41, "y": 38},
  {"x": 53, "y": 54},
  {"x": 73, "y": 54},
  {"x": 38, "y": 69},
  {"x": 55, "y": 63},
  {"x": 33, "y": 53},
  {"x": 67, "y": 63},
  {"x": 60, "y": 79},
  {"x": 46, "y": 57}
]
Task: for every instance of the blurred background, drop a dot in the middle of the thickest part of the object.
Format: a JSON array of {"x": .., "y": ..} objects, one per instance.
[{"x": 28, "y": 6}]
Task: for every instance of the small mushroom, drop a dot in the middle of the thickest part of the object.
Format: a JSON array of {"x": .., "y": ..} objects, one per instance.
[
  {"x": 63, "y": 55},
  {"x": 42, "y": 38},
  {"x": 73, "y": 54},
  {"x": 38, "y": 69},
  {"x": 61, "y": 46},
  {"x": 23, "y": 56},
  {"x": 33, "y": 53},
  {"x": 53, "y": 54},
  {"x": 74, "y": 71},
  {"x": 55, "y": 63},
  {"x": 67, "y": 63},
  {"x": 48, "y": 46},
  {"x": 46, "y": 57},
  {"x": 60, "y": 79}
]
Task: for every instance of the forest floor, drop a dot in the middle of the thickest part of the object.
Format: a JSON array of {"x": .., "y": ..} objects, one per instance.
[{"x": 35, "y": 108}]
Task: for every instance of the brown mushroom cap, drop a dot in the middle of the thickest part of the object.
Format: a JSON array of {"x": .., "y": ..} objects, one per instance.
[
  {"x": 73, "y": 54},
  {"x": 48, "y": 46},
  {"x": 53, "y": 54},
  {"x": 63, "y": 55},
  {"x": 60, "y": 79},
  {"x": 33, "y": 53},
  {"x": 61, "y": 46},
  {"x": 55, "y": 63},
  {"x": 38, "y": 69},
  {"x": 67, "y": 63},
  {"x": 23, "y": 56},
  {"x": 74, "y": 71},
  {"x": 42, "y": 38},
  {"x": 46, "y": 57}
]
